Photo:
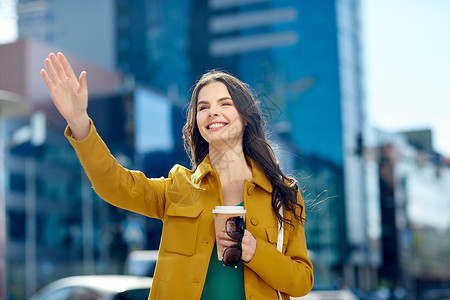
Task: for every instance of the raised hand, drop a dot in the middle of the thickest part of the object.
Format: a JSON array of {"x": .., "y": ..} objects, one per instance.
[{"x": 69, "y": 94}]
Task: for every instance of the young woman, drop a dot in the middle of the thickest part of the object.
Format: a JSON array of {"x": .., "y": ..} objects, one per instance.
[{"x": 233, "y": 164}]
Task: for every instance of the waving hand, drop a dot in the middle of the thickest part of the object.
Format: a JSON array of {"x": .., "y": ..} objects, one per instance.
[{"x": 69, "y": 93}]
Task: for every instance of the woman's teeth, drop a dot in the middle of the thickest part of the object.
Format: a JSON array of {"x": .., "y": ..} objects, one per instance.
[{"x": 216, "y": 125}]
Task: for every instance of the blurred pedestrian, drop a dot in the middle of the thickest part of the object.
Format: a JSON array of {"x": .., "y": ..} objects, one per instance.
[{"x": 233, "y": 164}]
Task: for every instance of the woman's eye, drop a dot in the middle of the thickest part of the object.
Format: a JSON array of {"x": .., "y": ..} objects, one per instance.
[
  {"x": 226, "y": 104},
  {"x": 202, "y": 108}
]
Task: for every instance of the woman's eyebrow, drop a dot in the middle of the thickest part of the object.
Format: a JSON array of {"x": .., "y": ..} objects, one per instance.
[
  {"x": 202, "y": 102},
  {"x": 218, "y": 100}
]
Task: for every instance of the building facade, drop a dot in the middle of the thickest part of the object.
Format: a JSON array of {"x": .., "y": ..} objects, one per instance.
[
  {"x": 53, "y": 224},
  {"x": 414, "y": 202},
  {"x": 58, "y": 23}
]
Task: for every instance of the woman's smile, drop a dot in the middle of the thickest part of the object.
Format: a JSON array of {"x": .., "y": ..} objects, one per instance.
[{"x": 215, "y": 126}]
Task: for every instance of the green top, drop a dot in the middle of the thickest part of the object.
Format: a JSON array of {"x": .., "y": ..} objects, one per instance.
[{"x": 223, "y": 282}]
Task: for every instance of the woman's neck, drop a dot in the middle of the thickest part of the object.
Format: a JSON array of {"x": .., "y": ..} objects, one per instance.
[{"x": 230, "y": 163}]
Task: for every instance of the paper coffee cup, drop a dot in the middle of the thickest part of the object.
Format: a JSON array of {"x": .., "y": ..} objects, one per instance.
[{"x": 221, "y": 215}]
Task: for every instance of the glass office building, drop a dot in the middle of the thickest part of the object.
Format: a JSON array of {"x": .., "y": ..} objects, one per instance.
[
  {"x": 59, "y": 23},
  {"x": 55, "y": 224}
]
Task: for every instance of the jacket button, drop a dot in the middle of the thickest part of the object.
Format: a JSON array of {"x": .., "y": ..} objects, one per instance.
[
  {"x": 254, "y": 221},
  {"x": 250, "y": 190}
]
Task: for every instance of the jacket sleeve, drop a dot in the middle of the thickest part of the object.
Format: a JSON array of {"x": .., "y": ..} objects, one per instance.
[
  {"x": 290, "y": 272},
  {"x": 130, "y": 190}
]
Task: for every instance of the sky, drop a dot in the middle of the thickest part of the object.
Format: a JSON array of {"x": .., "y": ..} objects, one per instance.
[
  {"x": 406, "y": 50},
  {"x": 8, "y": 21},
  {"x": 406, "y": 62}
]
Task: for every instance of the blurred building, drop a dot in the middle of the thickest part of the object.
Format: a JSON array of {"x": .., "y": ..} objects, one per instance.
[
  {"x": 11, "y": 105},
  {"x": 415, "y": 204},
  {"x": 59, "y": 23},
  {"x": 53, "y": 227},
  {"x": 301, "y": 57}
]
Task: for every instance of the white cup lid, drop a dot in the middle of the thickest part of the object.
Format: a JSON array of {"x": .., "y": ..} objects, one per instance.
[{"x": 229, "y": 210}]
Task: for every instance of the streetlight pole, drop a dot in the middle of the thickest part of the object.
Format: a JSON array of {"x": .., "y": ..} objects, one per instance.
[{"x": 10, "y": 105}]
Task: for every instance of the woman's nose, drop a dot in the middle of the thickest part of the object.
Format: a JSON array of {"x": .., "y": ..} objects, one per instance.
[{"x": 213, "y": 112}]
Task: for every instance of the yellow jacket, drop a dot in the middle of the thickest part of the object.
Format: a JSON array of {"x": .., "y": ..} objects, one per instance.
[{"x": 184, "y": 202}]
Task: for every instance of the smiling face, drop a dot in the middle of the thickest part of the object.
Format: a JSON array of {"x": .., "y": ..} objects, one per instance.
[{"x": 218, "y": 120}]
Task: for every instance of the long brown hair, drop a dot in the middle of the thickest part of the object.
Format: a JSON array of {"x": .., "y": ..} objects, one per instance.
[{"x": 255, "y": 143}]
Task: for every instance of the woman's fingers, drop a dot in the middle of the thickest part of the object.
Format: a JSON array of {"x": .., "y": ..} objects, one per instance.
[
  {"x": 224, "y": 240},
  {"x": 47, "y": 80},
  {"x": 66, "y": 66},
  {"x": 51, "y": 71},
  {"x": 249, "y": 245},
  {"x": 59, "y": 71},
  {"x": 58, "y": 67}
]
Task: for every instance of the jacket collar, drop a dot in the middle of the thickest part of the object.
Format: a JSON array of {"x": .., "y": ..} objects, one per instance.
[{"x": 259, "y": 177}]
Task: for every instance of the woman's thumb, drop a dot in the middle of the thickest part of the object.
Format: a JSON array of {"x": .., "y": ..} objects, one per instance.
[{"x": 83, "y": 82}]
